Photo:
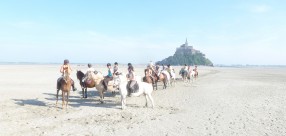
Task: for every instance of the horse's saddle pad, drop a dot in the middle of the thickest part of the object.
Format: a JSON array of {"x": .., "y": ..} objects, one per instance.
[
  {"x": 132, "y": 87},
  {"x": 110, "y": 83}
]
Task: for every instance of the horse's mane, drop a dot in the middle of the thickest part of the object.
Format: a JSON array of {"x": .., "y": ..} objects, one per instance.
[{"x": 79, "y": 74}]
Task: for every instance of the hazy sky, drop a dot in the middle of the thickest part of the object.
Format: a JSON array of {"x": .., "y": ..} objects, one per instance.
[{"x": 227, "y": 31}]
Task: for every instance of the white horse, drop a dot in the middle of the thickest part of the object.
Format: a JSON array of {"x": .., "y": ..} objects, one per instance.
[
  {"x": 191, "y": 76},
  {"x": 144, "y": 88}
]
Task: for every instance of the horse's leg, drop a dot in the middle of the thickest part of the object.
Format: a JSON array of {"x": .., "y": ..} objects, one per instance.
[
  {"x": 101, "y": 95},
  {"x": 123, "y": 102},
  {"x": 146, "y": 105},
  {"x": 164, "y": 82},
  {"x": 151, "y": 99},
  {"x": 68, "y": 93},
  {"x": 57, "y": 97},
  {"x": 63, "y": 99},
  {"x": 85, "y": 93},
  {"x": 82, "y": 92},
  {"x": 156, "y": 85}
]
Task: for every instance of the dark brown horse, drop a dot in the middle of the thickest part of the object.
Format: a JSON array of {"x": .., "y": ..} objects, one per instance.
[
  {"x": 88, "y": 83},
  {"x": 65, "y": 86}
]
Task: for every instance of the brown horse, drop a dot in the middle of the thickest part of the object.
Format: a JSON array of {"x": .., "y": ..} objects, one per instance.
[
  {"x": 148, "y": 79},
  {"x": 157, "y": 77},
  {"x": 112, "y": 85},
  {"x": 196, "y": 73},
  {"x": 88, "y": 83},
  {"x": 65, "y": 86},
  {"x": 163, "y": 77}
]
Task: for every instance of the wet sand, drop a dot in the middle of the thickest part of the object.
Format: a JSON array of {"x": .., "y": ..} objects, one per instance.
[{"x": 222, "y": 101}]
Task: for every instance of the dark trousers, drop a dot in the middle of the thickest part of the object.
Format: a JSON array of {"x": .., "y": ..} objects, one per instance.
[{"x": 106, "y": 80}]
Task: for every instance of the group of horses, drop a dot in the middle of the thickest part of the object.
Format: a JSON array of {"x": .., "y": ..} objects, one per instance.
[
  {"x": 188, "y": 76},
  {"x": 160, "y": 76},
  {"x": 119, "y": 83}
]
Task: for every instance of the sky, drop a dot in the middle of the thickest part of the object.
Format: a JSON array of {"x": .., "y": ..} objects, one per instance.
[{"x": 92, "y": 31}]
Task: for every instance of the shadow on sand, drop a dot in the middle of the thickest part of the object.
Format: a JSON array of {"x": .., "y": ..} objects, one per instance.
[
  {"x": 34, "y": 102},
  {"x": 91, "y": 101}
]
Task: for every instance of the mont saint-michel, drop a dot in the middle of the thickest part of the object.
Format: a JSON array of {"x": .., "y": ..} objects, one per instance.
[{"x": 186, "y": 54}]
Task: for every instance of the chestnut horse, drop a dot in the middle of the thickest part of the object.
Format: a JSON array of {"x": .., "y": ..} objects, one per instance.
[
  {"x": 65, "y": 86},
  {"x": 88, "y": 83},
  {"x": 162, "y": 76},
  {"x": 157, "y": 77},
  {"x": 148, "y": 79}
]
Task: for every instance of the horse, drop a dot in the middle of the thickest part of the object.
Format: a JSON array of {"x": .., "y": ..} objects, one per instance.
[
  {"x": 196, "y": 75},
  {"x": 144, "y": 88},
  {"x": 111, "y": 87},
  {"x": 191, "y": 76},
  {"x": 164, "y": 76},
  {"x": 184, "y": 74},
  {"x": 65, "y": 86},
  {"x": 88, "y": 83},
  {"x": 148, "y": 79}
]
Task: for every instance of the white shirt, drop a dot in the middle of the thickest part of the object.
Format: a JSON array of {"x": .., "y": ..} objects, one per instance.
[{"x": 90, "y": 69}]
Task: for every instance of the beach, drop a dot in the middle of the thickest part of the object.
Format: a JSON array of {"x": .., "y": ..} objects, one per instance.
[{"x": 244, "y": 101}]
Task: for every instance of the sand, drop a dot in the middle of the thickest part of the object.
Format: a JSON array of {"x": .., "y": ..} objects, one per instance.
[{"x": 222, "y": 101}]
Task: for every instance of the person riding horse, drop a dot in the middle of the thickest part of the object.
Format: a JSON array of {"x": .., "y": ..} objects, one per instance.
[
  {"x": 132, "y": 84},
  {"x": 90, "y": 70},
  {"x": 170, "y": 69},
  {"x": 65, "y": 67},
  {"x": 109, "y": 76},
  {"x": 116, "y": 70},
  {"x": 150, "y": 73}
]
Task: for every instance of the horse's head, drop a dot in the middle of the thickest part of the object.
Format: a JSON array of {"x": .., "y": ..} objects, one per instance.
[
  {"x": 146, "y": 71},
  {"x": 79, "y": 75}
]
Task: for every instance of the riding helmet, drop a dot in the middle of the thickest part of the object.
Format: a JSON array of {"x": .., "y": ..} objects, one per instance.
[
  {"x": 129, "y": 64},
  {"x": 108, "y": 64},
  {"x": 66, "y": 61},
  {"x": 115, "y": 63}
]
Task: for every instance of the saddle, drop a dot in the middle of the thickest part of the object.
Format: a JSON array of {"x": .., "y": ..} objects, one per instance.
[
  {"x": 88, "y": 81},
  {"x": 132, "y": 87}
]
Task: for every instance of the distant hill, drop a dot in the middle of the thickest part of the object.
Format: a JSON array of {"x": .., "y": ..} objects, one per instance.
[{"x": 186, "y": 54}]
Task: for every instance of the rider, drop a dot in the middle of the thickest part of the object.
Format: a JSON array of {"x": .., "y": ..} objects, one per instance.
[
  {"x": 169, "y": 69},
  {"x": 90, "y": 69},
  {"x": 196, "y": 70},
  {"x": 109, "y": 76},
  {"x": 150, "y": 73},
  {"x": 151, "y": 65},
  {"x": 131, "y": 74},
  {"x": 190, "y": 69},
  {"x": 157, "y": 68},
  {"x": 116, "y": 69},
  {"x": 63, "y": 68},
  {"x": 130, "y": 77},
  {"x": 163, "y": 67}
]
